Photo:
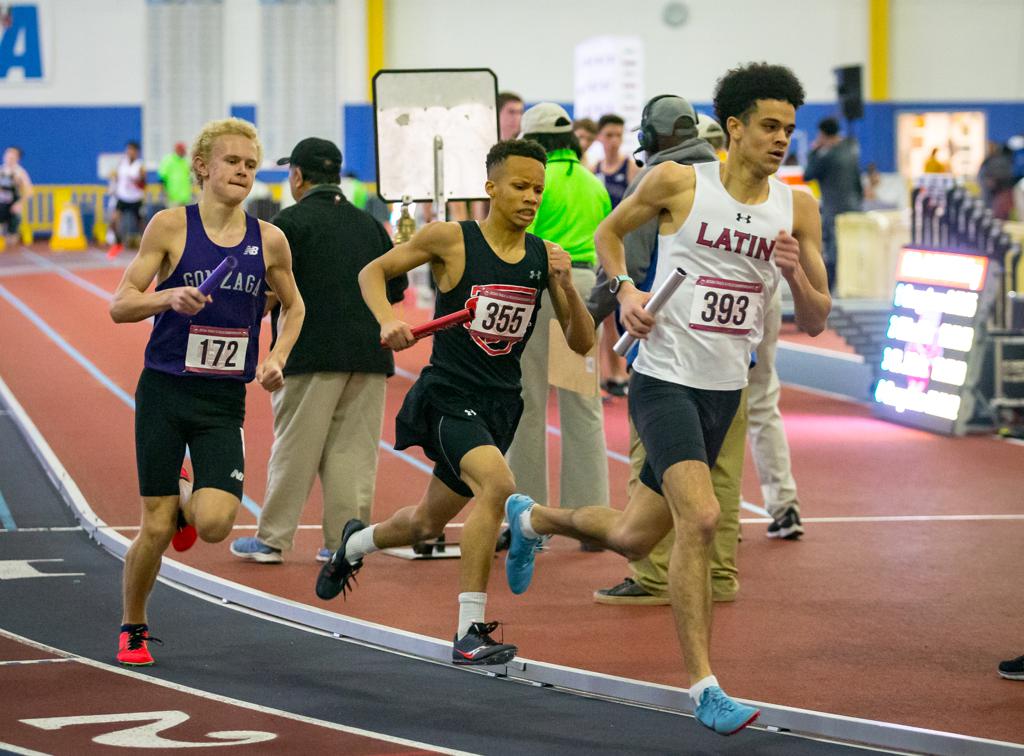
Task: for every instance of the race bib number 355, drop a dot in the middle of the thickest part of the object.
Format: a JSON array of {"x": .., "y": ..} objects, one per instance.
[
  {"x": 725, "y": 306},
  {"x": 216, "y": 350},
  {"x": 502, "y": 314}
]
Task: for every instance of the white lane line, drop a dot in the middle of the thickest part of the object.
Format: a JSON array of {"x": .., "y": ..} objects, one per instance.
[
  {"x": 228, "y": 700},
  {"x": 16, "y": 662},
  {"x": 63, "y": 529}
]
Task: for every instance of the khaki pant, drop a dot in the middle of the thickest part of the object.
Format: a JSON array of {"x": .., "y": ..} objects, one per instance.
[
  {"x": 768, "y": 444},
  {"x": 651, "y": 573},
  {"x": 326, "y": 424},
  {"x": 584, "y": 468}
]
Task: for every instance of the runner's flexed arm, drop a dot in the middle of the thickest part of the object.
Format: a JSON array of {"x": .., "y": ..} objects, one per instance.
[
  {"x": 439, "y": 244},
  {"x": 577, "y": 325},
  {"x": 799, "y": 258},
  {"x": 666, "y": 192}
]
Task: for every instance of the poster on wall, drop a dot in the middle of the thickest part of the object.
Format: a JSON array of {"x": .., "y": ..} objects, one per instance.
[
  {"x": 941, "y": 142},
  {"x": 608, "y": 77},
  {"x": 25, "y": 34}
]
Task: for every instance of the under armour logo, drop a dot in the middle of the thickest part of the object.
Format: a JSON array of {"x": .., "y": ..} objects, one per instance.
[
  {"x": 535, "y": 274},
  {"x": 742, "y": 217},
  {"x": 470, "y": 413},
  {"x": 237, "y": 475},
  {"x": 251, "y": 250}
]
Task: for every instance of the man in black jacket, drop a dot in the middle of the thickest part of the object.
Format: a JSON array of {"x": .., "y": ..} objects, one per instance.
[{"x": 329, "y": 415}]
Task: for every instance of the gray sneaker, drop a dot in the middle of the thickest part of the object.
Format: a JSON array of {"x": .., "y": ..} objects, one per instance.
[{"x": 629, "y": 593}]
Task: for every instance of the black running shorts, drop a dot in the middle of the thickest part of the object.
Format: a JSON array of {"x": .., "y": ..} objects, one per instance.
[
  {"x": 678, "y": 423},
  {"x": 205, "y": 414},
  {"x": 448, "y": 421}
]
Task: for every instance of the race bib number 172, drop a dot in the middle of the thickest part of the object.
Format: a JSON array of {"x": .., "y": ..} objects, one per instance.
[
  {"x": 725, "y": 306},
  {"x": 216, "y": 350}
]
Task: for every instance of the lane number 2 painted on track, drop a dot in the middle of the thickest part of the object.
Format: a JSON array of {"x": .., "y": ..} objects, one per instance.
[{"x": 148, "y": 735}]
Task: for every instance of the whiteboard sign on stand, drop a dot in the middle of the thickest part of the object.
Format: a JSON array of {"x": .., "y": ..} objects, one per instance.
[{"x": 433, "y": 130}]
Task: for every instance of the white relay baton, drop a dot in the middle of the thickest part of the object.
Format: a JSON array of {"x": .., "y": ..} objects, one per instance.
[{"x": 655, "y": 303}]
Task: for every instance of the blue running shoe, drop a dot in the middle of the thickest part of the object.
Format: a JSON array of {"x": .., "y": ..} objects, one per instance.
[
  {"x": 718, "y": 712},
  {"x": 254, "y": 549},
  {"x": 519, "y": 560},
  {"x": 324, "y": 555}
]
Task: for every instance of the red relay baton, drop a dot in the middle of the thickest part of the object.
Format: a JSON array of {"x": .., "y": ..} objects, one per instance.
[{"x": 446, "y": 321}]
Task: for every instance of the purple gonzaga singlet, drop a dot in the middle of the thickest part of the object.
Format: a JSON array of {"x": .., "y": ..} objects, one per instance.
[{"x": 223, "y": 339}]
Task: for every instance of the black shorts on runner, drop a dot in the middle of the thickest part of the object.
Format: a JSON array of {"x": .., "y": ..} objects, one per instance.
[
  {"x": 678, "y": 423},
  {"x": 447, "y": 422},
  {"x": 205, "y": 414}
]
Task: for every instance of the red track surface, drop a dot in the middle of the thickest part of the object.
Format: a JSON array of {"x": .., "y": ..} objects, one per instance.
[{"x": 897, "y": 621}]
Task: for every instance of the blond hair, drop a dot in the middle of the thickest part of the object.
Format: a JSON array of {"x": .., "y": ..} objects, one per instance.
[{"x": 203, "y": 144}]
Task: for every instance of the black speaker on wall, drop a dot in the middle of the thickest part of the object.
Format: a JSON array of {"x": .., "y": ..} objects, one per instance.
[{"x": 848, "y": 86}]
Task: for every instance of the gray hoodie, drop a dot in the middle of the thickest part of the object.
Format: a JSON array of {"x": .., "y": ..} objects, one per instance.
[{"x": 640, "y": 243}]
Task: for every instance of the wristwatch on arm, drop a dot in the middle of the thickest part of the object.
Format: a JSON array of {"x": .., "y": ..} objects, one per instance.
[{"x": 615, "y": 283}]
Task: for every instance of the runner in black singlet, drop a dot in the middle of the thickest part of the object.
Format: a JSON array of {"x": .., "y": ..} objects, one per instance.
[{"x": 464, "y": 408}]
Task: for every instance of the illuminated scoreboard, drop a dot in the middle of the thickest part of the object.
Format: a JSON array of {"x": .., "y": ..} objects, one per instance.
[{"x": 931, "y": 353}]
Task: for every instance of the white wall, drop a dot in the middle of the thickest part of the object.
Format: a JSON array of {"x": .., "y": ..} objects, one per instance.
[
  {"x": 529, "y": 44},
  {"x": 957, "y": 50},
  {"x": 942, "y": 49}
]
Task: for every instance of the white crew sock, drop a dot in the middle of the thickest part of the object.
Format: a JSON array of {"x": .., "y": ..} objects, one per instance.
[
  {"x": 360, "y": 544},
  {"x": 698, "y": 688},
  {"x": 525, "y": 525},
  {"x": 471, "y": 609}
]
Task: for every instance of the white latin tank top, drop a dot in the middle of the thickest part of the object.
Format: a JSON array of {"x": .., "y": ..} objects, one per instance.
[{"x": 705, "y": 332}]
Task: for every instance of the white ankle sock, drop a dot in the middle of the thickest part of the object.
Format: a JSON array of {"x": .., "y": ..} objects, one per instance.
[
  {"x": 360, "y": 544},
  {"x": 698, "y": 688},
  {"x": 525, "y": 525},
  {"x": 471, "y": 609}
]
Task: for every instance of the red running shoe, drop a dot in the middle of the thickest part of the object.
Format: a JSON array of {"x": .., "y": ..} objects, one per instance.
[
  {"x": 186, "y": 535},
  {"x": 114, "y": 251},
  {"x": 132, "y": 647}
]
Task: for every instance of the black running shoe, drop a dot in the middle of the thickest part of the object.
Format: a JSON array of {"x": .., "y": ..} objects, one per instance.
[
  {"x": 478, "y": 647},
  {"x": 786, "y": 526},
  {"x": 1012, "y": 669},
  {"x": 337, "y": 576}
]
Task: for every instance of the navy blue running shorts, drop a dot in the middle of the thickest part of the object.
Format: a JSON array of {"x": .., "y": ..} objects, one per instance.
[{"x": 677, "y": 423}]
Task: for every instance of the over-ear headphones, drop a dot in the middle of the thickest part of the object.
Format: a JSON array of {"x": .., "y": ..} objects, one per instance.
[{"x": 647, "y": 136}]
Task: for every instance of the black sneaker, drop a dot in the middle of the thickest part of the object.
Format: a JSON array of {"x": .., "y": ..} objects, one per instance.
[
  {"x": 338, "y": 575},
  {"x": 629, "y": 593},
  {"x": 478, "y": 647},
  {"x": 1012, "y": 669},
  {"x": 786, "y": 526}
]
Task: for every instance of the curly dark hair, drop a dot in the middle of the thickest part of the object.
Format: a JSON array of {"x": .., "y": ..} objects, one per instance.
[
  {"x": 502, "y": 151},
  {"x": 737, "y": 93},
  {"x": 552, "y": 142}
]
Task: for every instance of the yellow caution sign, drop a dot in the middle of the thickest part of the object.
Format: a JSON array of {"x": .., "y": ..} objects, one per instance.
[{"x": 68, "y": 235}]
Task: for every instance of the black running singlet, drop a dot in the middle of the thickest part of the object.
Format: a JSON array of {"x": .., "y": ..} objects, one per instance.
[{"x": 485, "y": 352}]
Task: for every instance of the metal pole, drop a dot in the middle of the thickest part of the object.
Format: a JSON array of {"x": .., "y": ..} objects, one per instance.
[{"x": 439, "y": 204}]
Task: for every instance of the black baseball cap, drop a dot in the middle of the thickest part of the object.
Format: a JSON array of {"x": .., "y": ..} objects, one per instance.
[{"x": 314, "y": 154}]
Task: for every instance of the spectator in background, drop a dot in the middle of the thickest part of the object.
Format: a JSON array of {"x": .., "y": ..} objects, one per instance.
[
  {"x": 510, "y": 115},
  {"x": 933, "y": 164},
  {"x": 586, "y": 131},
  {"x": 710, "y": 131},
  {"x": 995, "y": 177},
  {"x": 129, "y": 192},
  {"x": 175, "y": 173},
  {"x": 834, "y": 163},
  {"x": 617, "y": 172},
  {"x": 574, "y": 204},
  {"x": 329, "y": 414},
  {"x": 15, "y": 189}
]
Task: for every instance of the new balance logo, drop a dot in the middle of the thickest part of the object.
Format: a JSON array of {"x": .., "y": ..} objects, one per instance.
[
  {"x": 742, "y": 217},
  {"x": 252, "y": 249},
  {"x": 535, "y": 274},
  {"x": 240, "y": 477},
  {"x": 470, "y": 413}
]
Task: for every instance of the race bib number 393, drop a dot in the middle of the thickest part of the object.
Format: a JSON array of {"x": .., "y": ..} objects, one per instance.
[
  {"x": 725, "y": 306},
  {"x": 216, "y": 350}
]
